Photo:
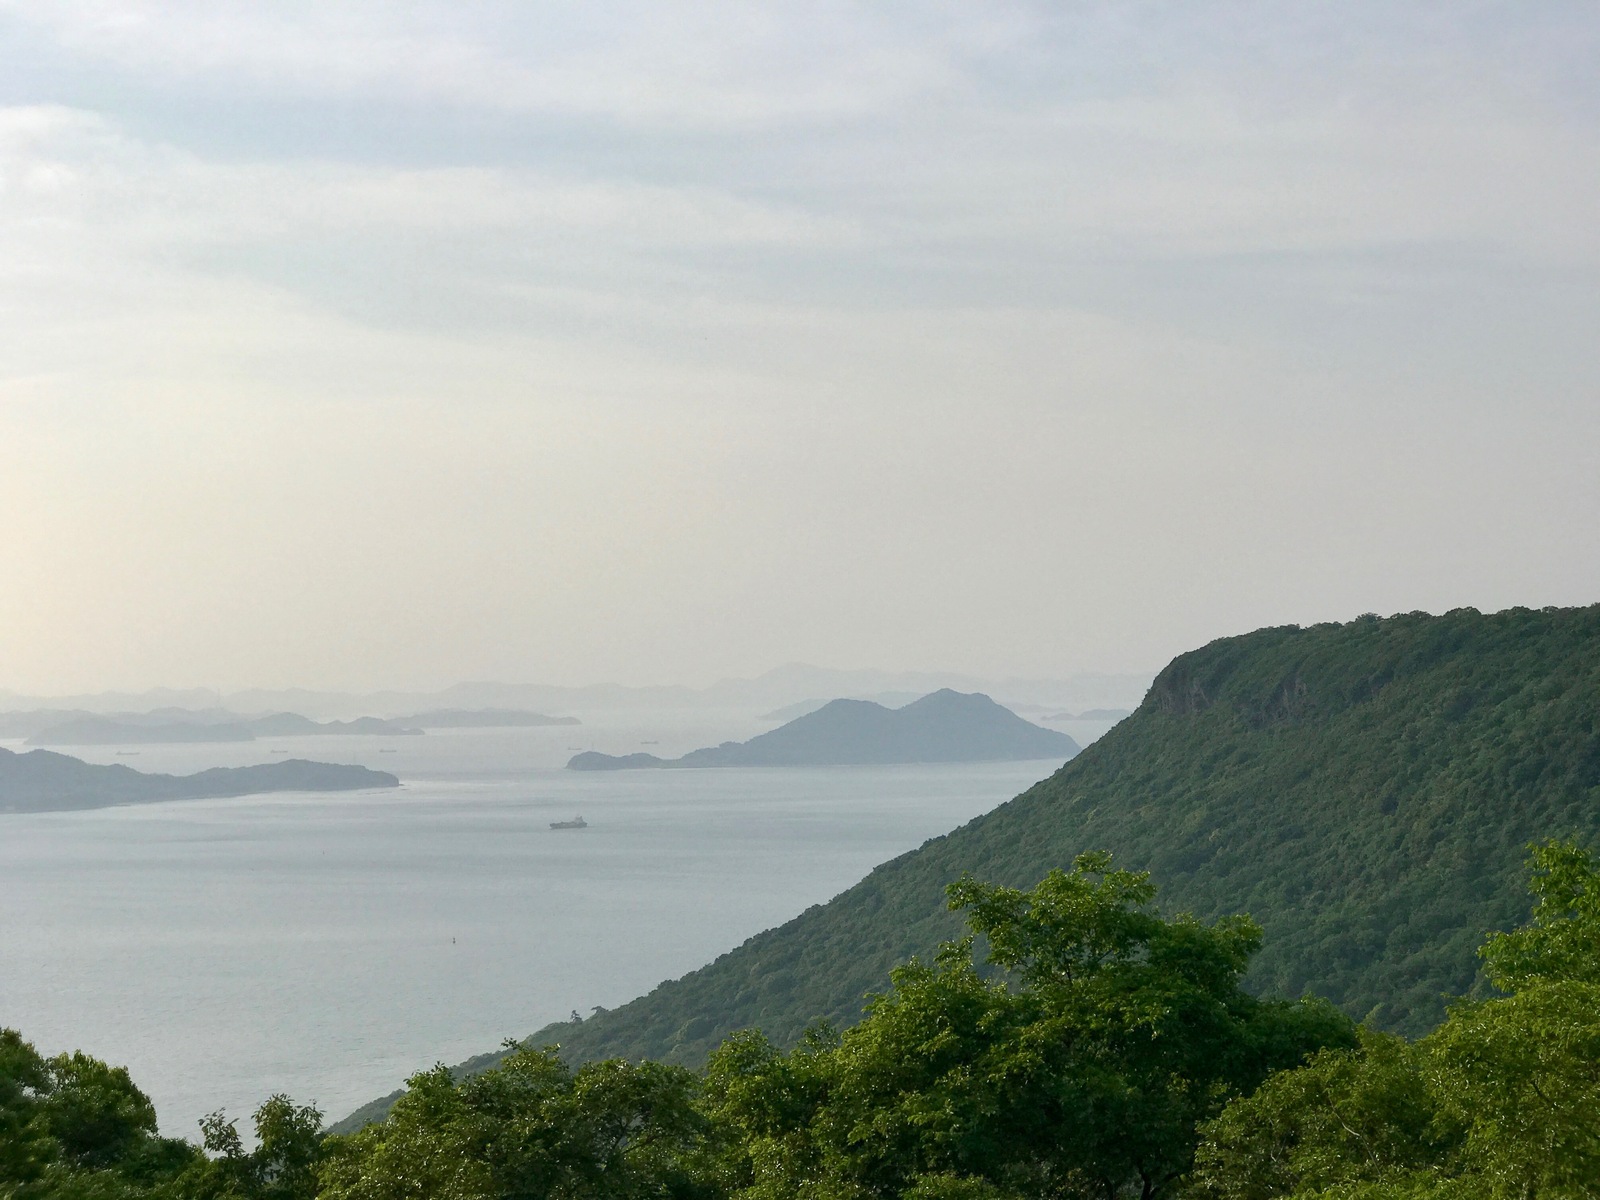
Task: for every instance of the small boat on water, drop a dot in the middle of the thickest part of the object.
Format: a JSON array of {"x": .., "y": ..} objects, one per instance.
[
  {"x": 126, "y": 753},
  {"x": 575, "y": 823}
]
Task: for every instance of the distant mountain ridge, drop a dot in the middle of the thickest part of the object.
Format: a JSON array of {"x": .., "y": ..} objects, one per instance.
[
  {"x": 483, "y": 718},
  {"x": 92, "y": 730},
  {"x": 171, "y": 725},
  {"x": 44, "y": 781},
  {"x": 944, "y": 726},
  {"x": 781, "y": 686}
]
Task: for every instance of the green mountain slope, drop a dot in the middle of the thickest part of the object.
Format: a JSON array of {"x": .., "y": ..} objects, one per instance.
[{"x": 1365, "y": 790}]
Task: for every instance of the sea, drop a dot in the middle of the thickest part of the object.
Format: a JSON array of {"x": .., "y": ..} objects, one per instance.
[{"x": 327, "y": 946}]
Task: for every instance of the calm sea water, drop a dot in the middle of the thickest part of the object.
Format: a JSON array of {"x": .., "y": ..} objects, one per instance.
[{"x": 327, "y": 946}]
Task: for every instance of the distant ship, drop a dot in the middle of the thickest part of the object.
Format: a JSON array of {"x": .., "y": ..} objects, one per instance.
[{"x": 575, "y": 823}]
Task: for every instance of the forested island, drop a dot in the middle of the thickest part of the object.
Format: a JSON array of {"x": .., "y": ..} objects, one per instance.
[
  {"x": 944, "y": 726},
  {"x": 43, "y": 781}
]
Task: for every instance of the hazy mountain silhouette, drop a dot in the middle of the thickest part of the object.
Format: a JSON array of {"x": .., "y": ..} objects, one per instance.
[
  {"x": 945, "y": 726},
  {"x": 785, "y": 685},
  {"x": 93, "y": 730},
  {"x": 483, "y": 718}
]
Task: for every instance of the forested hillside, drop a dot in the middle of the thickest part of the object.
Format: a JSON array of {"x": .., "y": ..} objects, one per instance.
[{"x": 1365, "y": 790}]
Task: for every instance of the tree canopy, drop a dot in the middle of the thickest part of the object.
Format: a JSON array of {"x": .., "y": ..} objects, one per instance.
[
  {"x": 1075, "y": 1059},
  {"x": 1501, "y": 1100},
  {"x": 1076, "y": 1043}
]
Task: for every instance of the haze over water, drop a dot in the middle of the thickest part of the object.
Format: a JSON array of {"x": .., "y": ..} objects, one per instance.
[{"x": 327, "y": 946}]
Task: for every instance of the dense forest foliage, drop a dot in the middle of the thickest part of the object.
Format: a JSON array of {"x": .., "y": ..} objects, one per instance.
[
  {"x": 1364, "y": 790},
  {"x": 1095, "y": 1048}
]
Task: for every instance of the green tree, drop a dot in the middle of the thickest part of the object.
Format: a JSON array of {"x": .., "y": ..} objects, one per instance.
[
  {"x": 26, "y": 1147},
  {"x": 1348, "y": 1119},
  {"x": 1078, "y": 1064},
  {"x": 530, "y": 1128},
  {"x": 283, "y": 1165},
  {"x": 74, "y": 1128},
  {"x": 1500, "y": 1101},
  {"x": 1523, "y": 1070},
  {"x": 95, "y": 1113}
]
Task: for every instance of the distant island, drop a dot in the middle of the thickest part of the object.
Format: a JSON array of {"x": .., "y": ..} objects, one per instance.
[
  {"x": 1093, "y": 714},
  {"x": 945, "y": 726},
  {"x": 89, "y": 730},
  {"x": 483, "y": 718},
  {"x": 43, "y": 781},
  {"x": 593, "y": 760}
]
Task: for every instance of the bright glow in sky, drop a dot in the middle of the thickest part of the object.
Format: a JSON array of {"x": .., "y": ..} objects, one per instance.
[{"x": 363, "y": 344}]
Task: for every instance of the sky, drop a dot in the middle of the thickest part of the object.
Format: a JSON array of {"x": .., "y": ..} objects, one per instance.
[{"x": 358, "y": 345}]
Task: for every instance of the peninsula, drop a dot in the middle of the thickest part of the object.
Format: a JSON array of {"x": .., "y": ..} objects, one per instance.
[
  {"x": 945, "y": 726},
  {"x": 1369, "y": 787},
  {"x": 43, "y": 781}
]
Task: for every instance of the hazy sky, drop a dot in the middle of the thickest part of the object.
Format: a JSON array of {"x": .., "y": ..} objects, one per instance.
[{"x": 368, "y": 345}]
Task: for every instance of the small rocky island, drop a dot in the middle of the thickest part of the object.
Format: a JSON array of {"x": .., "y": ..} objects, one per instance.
[
  {"x": 43, "y": 781},
  {"x": 944, "y": 727}
]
